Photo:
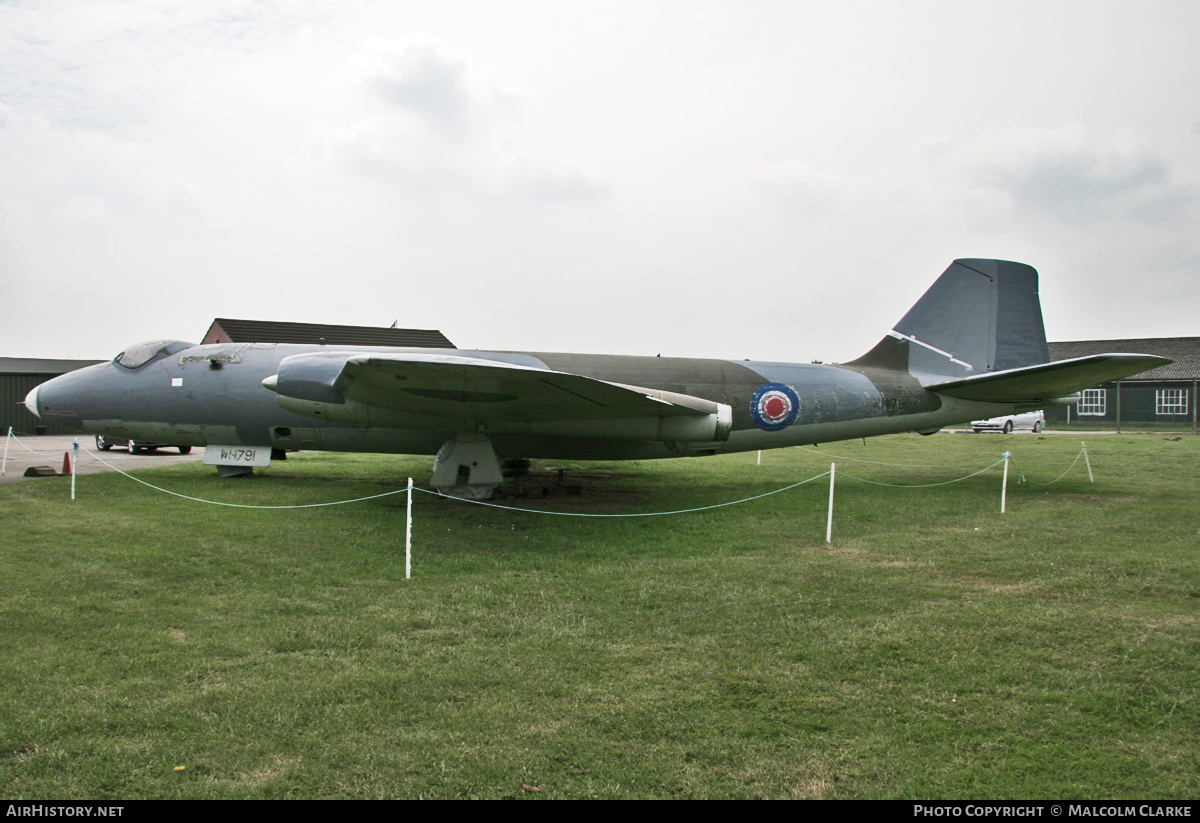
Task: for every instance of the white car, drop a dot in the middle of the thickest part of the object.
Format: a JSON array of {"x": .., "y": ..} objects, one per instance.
[
  {"x": 1008, "y": 423},
  {"x": 105, "y": 443}
]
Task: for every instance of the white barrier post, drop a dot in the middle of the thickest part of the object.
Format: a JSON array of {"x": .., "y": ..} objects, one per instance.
[
  {"x": 1089, "y": 463},
  {"x": 1004, "y": 487},
  {"x": 4, "y": 465},
  {"x": 408, "y": 536},
  {"x": 759, "y": 463},
  {"x": 74, "y": 464},
  {"x": 829, "y": 519}
]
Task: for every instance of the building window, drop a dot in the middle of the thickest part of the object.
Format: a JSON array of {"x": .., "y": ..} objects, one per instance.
[
  {"x": 1171, "y": 401},
  {"x": 1093, "y": 402}
]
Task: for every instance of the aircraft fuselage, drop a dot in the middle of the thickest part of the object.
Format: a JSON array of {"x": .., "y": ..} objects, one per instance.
[{"x": 214, "y": 394}]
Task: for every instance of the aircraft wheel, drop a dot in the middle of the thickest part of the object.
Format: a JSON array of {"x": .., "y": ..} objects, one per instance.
[
  {"x": 977, "y": 431},
  {"x": 102, "y": 444},
  {"x": 134, "y": 448},
  {"x": 185, "y": 449},
  {"x": 1038, "y": 427},
  {"x": 1008, "y": 427}
]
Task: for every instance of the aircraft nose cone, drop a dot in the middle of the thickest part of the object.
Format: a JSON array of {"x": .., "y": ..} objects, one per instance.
[
  {"x": 62, "y": 400},
  {"x": 31, "y": 403}
]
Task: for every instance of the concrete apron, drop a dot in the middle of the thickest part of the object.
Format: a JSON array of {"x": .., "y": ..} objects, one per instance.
[{"x": 51, "y": 448}]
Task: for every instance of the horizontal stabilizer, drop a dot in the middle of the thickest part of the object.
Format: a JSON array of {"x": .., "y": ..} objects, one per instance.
[{"x": 1034, "y": 384}]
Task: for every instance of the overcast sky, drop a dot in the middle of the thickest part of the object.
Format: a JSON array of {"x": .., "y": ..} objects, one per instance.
[{"x": 771, "y": 180}]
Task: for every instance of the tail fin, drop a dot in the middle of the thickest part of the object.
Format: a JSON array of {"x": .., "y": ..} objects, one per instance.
[{"x": 980, "y": 316}]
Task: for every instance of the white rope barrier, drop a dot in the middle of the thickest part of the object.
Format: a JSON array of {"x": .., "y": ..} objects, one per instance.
[
  {"x": 410, "y": 488},
  {"x": 1006, "y": 458},
  {"x": 630, "y": 514},
  {"x": 925, "y": 485},
  {"x": 1021, "y": 478},
  {"x": 881, "y": 463},
  {"x": 238, "y": 505},
  {"x": 13, "y": 435}
]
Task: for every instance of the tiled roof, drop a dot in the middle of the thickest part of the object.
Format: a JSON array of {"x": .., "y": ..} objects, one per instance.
[
  {"x": 227, "y": 330},
  {"x": 1185, "y": 351}
]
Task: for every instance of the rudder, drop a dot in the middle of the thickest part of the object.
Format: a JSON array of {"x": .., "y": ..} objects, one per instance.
[{"x": 980, "y": 316}]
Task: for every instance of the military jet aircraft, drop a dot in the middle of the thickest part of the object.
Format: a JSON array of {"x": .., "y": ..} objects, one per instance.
[{"x": 972, "y": 347}]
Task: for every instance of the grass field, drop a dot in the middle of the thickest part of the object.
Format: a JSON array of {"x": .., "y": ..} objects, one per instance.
[
  {"x": 154, "y": 647},
  {"x": 1177, "y": 427}
]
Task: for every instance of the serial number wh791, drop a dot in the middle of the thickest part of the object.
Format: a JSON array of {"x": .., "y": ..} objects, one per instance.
[
  {"x": 238, "y": 455},
  {"x": 218, "y": 455}
]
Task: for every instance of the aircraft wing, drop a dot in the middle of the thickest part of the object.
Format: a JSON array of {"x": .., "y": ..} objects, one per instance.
[
  {"x": 465, "y": 388},
  {"x": 1044, "y": 382}
]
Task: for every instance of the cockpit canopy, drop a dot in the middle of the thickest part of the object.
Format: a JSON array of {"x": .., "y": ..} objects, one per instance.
[{"x": 137, "y": 356}]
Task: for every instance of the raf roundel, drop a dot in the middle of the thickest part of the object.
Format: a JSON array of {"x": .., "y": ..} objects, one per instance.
[{"x": 774, "y": 407}]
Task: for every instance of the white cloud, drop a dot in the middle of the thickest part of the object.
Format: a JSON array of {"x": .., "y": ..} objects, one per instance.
[
  {"x": 1069, "y": 175},
  {"x": 423, "y": 80},
  {"x": 559, "y": 185},
  {"x": 432, "y": 127},
  {"x": 801, "y": 187},
  {"x": 661, "y": 163}
]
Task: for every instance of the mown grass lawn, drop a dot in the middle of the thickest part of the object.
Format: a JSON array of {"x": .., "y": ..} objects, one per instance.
[{"x": 154, "y": 647}]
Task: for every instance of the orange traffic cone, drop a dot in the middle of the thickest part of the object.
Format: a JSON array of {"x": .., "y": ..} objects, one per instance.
[{"x": 66, "y": 464}]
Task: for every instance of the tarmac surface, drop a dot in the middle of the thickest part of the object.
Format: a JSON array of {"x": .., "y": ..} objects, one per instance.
[{"x": 23, "y": 451}]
